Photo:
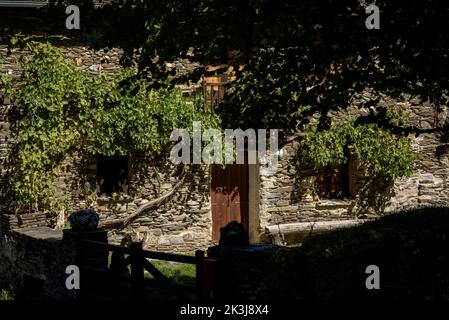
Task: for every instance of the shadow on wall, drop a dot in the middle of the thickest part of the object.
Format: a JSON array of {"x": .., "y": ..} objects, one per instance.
[
  {"x": 372, "y": 196},
  {"x": 369, "y": 194},
  {"x": 443, "y": 150}
]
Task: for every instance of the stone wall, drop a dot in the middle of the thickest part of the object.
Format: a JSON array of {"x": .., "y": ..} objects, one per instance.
[
  {"x": 428, "y": 184},
  {"x": 181, "y": 224},
  {"x": 11, "y": 221},
  {"x": 33, "y": 261},
  {"x": 184, "y": 222},
  {"x": 289, "y": 195}
]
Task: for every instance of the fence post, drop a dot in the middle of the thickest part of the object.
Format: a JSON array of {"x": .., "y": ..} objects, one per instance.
[
  {"x": 137, "y": 271},
  {"x": 82, "y": 256},
  {"x": 210, "y": 278},
  {"x": 199, "y": 255}
]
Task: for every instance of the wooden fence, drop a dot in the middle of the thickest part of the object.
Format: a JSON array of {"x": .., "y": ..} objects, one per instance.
[{"x": 105, "y": 267}]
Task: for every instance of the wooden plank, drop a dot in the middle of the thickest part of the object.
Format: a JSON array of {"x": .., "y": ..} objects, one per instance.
[
  {"x": 211, "y": 83},
  {"x": 106, "y": 273},
  {"x": 108, "y": 246},
  {"x": 169, "y": 257},
  {"x": 159, "y": 276},
  {"x": 239, "y": 201},
  {"x": 137, "y": 260},
  {"x": 244, "y": 195},
  {"x": 318, "y": 226},
  {"x": 229, "y": 196},
  {"x": 137, "y": 271},
  {"x": 219, "y": 199},
  {"x": 210, "y": 278},
  {"x": 199, "y": 255},
  {"x": 234, "y": 194}
]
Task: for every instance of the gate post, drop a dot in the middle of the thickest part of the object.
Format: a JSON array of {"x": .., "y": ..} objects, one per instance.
[
  {"x": 210, "y": 278},
  {"x": 85, "y": 256},
  {"x": 199, "y": 255},
  {"x": 137, "y": 270}
]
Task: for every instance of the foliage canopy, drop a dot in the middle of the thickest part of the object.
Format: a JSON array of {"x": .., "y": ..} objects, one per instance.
[
  {"x": 293, "y": 59},
  {"x": 300, "y": 57},
  {"x": 375, "y": 149},
  {"x": 62, "y": 110}
]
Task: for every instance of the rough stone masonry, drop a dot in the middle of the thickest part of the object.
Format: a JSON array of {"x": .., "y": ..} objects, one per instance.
[{"x": 283, "y": 201}]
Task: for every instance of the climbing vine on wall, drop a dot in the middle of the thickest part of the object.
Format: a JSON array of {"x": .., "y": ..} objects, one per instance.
[
  {"x": 60, "y": 109},
  {"x": 377, "y": 150}
]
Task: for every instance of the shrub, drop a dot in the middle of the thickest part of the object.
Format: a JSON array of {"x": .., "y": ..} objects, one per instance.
[
  {"x": 6, "y": 295},
  {"x": 410, "y": 248}
]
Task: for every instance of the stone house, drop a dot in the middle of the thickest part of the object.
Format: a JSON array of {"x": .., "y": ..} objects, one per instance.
[{"x": 285, "y": 206}]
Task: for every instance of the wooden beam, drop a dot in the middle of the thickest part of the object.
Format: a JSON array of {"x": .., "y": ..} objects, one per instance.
[{"x": 286, "y": 233}]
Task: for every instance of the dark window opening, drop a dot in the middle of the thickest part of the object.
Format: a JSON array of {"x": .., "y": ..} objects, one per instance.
[
  {"x": 332, "y": 182},
  {"x": 112, "y": 175}
]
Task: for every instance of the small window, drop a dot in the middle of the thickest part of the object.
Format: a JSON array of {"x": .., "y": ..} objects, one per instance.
[
  {"x": 332, "y": 182},
  {"x": 214, "y": 89},
  {"x": 112, "y": 175}
]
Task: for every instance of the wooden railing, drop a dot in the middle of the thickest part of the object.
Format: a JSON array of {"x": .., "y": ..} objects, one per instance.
[{"x": 128, "y": 266}]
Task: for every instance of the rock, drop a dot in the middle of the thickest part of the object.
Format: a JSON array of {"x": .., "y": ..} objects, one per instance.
[
  {"x": 176, "y": 240},
  {"x": 143, "y": 229},
  {"x": 426, "y": 178},
  {"x": 333, "y": 204},
  {"x": 156, "y": 232},
  {"x": 179, "y": 217},
  {"x": 163, "y": 241},
  {"x": 187, "y": 237},
  {"x": 86, "y": 219},
  {"x": 95, "y": 68}
]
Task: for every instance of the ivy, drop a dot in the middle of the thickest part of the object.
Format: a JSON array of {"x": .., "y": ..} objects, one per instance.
[
  {"x": 61, "y": 109},
  {"x": 375, "y": 149}
]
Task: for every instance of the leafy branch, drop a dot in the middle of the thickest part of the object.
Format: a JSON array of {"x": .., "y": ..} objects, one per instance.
[
  {"x": 60, "y": 110},
  {"x": 376, "y": 149}
]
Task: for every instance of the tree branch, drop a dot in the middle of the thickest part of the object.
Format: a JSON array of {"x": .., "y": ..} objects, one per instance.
[{"x": 123, "y": 222}]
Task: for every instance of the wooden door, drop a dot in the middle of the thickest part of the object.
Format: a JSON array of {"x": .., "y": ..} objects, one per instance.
[{"x": 229, "y": 196}]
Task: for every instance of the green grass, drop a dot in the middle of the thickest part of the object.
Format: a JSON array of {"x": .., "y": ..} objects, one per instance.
[
  {"x": 179, "y": 273},
  {"x": 6, "y": 295}
]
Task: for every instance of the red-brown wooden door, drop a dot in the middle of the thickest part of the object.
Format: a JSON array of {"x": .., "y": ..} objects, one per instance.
[{"x": 229, "y": 196}]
